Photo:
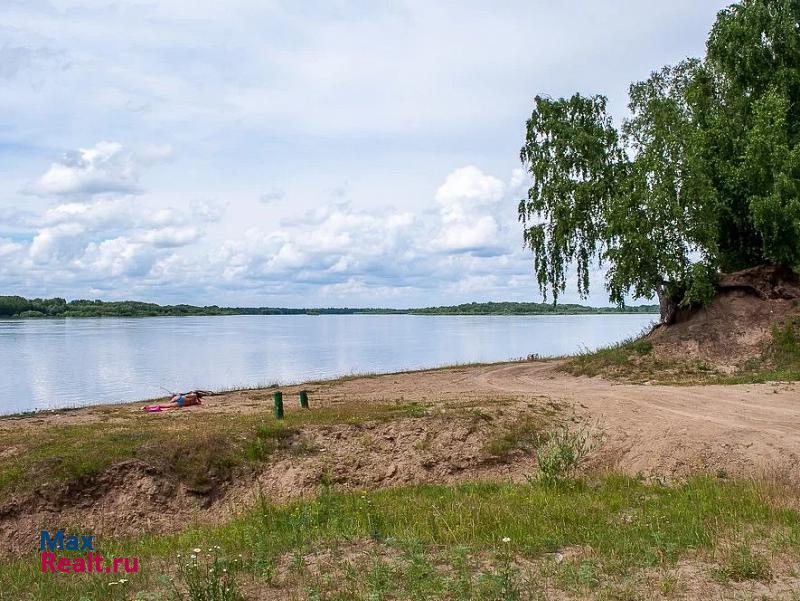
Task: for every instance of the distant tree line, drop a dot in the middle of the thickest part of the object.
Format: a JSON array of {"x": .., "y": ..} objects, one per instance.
[
  {"x": 528, "y": 309},
  {"x": 17, "y": 306}
]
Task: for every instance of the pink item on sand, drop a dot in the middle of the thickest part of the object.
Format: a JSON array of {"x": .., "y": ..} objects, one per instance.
[{"x": 152, "y": 408}]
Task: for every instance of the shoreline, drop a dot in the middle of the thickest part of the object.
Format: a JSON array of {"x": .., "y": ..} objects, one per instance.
[{"x": 257, "y": 388}]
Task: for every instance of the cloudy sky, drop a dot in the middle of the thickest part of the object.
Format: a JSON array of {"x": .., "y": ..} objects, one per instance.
[{"x": 334, "y": 153}]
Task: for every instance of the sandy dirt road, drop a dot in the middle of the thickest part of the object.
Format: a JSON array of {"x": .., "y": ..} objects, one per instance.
[{"x": 674, "y": 430}]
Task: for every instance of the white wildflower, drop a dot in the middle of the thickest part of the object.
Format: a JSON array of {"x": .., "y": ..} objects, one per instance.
[{"x": 506, "y": 539}]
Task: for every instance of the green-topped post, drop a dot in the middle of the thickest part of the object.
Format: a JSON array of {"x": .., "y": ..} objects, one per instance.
[
  {"x": 304, "y": 399},
  {"x": 278, "y": 404}
]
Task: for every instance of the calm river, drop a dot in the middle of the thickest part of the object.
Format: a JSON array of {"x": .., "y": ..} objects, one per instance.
[{"x": 62, "y": 363}]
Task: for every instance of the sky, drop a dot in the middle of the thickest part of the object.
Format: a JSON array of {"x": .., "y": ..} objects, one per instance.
[{"x": 257, "y": 153}]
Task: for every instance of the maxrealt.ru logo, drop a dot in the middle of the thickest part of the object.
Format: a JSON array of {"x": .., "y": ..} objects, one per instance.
[{"x": 91, "y": 562}]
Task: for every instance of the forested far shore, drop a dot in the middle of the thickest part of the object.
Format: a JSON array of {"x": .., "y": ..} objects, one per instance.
[{"x": 19, "y": 307}]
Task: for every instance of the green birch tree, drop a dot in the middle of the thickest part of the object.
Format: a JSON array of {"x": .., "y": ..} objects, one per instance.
[{"x": 703, "y": 176}]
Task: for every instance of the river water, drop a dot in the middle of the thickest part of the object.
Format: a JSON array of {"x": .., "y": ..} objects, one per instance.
[{"x": 72, "y": 362}]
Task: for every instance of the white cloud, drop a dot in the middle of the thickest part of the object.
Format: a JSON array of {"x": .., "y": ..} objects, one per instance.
[
  {"x": 8, "y": 247},
  {"x": 469, "y": 185},
  {"x": 343, "y": 251},
  {"x": 171, "y": 237},
  {"x": 103, "y": 168},
  {"x": 118, "y": 257},
  {"x": 468, "y": 202},
  {"x": 62, "y": 243},
  {"x": 478, "y": 235}
]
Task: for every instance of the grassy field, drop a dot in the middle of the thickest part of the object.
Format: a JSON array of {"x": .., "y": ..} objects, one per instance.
[{"x": 609, "y": 537}]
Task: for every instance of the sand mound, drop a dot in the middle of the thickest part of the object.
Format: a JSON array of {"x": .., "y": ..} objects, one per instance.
[{"x": 738, "y": 323}]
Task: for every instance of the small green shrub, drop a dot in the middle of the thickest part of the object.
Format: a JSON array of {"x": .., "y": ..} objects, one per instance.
[{"x": 563, "y": 454}]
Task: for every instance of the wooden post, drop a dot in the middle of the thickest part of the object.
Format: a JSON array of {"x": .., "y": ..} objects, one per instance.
[
  {"x": 278, "y": 404},
  {"x": 304, "y": 399}
]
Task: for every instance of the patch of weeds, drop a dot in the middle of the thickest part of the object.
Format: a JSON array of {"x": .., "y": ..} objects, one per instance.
[
  {"x": 579, "y": 575},
  {"x": 201, "y": 462},
  {"x": 64, "y": 453},
  {"x": 640, "y": 347},
  {"x": 619, "y": 355},
  {"x": 561, "y": 456},
  {"x": 379, "y": 580},
  {"x": 415, "y": 409},
  {"x": 421, "y": 578},
  {"x": 742, "y": 564},
  {"x": 207, "y": 577},
  {"x": 525, "y": 434},
  {"x": 785, "y": 349},
  {"x": 478, "y": 415},
  {"x": 270, "y": 436},
  {"x": 453, "y": 534},
  {"x": 426, "y": 444},
  {"x": 668, "y": 585}
]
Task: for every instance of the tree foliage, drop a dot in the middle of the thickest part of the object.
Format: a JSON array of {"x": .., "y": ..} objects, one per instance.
[{"x": 703, "y": 175}]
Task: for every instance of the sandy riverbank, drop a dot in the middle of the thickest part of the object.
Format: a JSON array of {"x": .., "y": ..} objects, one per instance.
[{"x": 385, "y": 430}]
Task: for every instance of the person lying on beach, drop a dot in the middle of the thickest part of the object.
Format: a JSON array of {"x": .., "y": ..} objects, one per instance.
[{"x": 184, "y": 399}]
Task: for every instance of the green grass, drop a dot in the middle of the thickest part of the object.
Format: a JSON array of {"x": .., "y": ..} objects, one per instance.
[
  {"x": 449, "y": 538},
  {"x": 201, "y": 450},
  {"x": 742, "y": 563}
]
